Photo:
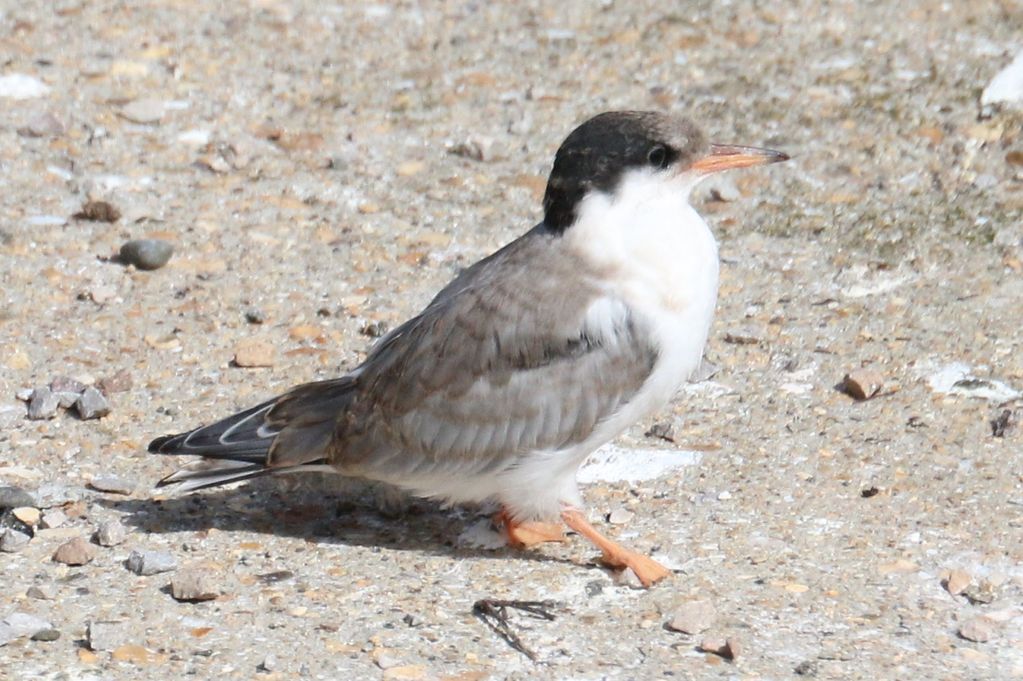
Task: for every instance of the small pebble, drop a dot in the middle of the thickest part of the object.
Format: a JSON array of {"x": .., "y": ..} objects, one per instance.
[
  {"x": 98, "y": 211},
  {"x": 255, "y": 316},
  {"x": 113, "y": 484},
  {"x": 118, "y": 383},
  {"x": 100, "y": 294},
  {"x": 862, "y": 384},
  {"x": 43, "y": 404},
  {"x": 251, "y": 353},
  {"x": 42, "y": 125},
  {"x": 978, "y": 629},
  {"x": 12, "y": 541},
  {"x": 50, "y": 494},
  {"x": 144, "y": 111},
  {"x": 192, "y": 584},
  {"x": 146, "y": 254},
  {"x": 108, "y": 635},
  {"x": 620, "y": 516},
  {"x": 66, "y": 400},
  {"x": 22, "y": 86},
  {"x": 111, "y": 533},
  {"x": 957, "y": 581},
  {"x": 19, "y": 625},
  {"x": 46, "y": 635},
  {"x": 374, "y": 329},
  {"x": 15, "y": 497},
  {"x": 53, "y": 517},
  {"x": 24, "y": 394},
  {"x": 27, "y": 514},
  {"x": 728, "y": 648},
  {"x": 476, "y": 148},
  {"x": 66, "y": 384},
  {"x": 147, "y": 563},
  {"x": 661, "y": 430},
  {"x": 693, "y": 617},
  {"x": 268, "y": 664},
  {"x": 41, "y": 592},
  {"x": 75, "y": 551}
]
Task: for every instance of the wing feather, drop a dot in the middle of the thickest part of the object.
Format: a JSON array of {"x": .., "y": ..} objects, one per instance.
[{"x": 496, "y": 366}]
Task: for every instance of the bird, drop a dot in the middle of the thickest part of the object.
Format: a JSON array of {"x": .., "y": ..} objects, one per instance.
[{"x": 528, "y": 360}]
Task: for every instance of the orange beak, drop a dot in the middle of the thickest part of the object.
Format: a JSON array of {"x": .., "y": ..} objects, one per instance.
[{"x": 728, "y": 156}]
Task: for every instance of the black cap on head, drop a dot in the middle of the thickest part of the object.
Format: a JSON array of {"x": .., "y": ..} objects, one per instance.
[{"x": 597, "y": 153}]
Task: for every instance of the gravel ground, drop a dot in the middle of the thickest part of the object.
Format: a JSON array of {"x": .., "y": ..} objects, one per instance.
[{"x": 321, "y": 170}]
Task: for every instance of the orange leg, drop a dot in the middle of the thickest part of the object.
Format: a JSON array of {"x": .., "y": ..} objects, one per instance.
[
  {"x": 615, "y": 555},
  {"x": 523, "y": 535}
]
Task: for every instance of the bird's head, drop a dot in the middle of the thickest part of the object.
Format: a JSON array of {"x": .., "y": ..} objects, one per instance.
[{"x": 599, "y": 154}]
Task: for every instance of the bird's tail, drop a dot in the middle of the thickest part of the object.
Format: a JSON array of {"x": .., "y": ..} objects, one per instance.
[{"x": 290, "y": 433}]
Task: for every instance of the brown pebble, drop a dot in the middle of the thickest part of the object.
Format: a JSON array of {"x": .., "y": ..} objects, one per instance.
[
  {"x": 979, "y": 629},
  {"x": 862, "y": 384},
  {"x": 98, "y": 211},
  {"x": 957, "y": 581},
  {"x": 727, "y": 647},
  {"x": 75, "y": 551},
  {"x": 118, "y": 383},
  {"x": 251, "y": 353}
]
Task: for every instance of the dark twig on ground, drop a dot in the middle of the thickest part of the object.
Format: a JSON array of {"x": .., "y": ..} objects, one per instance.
[{"x": 494, "y": 613}]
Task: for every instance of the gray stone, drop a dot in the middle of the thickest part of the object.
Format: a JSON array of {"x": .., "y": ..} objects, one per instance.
[
  {"x": 144, "y": 111},
  {"x": 620, "y": 516},
  {"x": 15, "y": 497},
  {"x": 20, "y": 625},
  {"x": 46, "y": 635},
  {"x": 268, "y": 664},
  {"x": 41, "y": 592},
  {"x": 10, "y": 415},
  {"x": 114, "y": 484},
  {"x": 66, "y": 400},
  {"x": 192, "y": 584},
  {"x": 43, "y": 404},
  {"x": 91, "y": 404},
  {"x": 43, "y": 124},
  {"x": 111, "y": 533},
  {"x": 53, "y": 518},
  {"x": 978, "y": 629},
  {"x": 693, "y": 617},
  {"x": 12, "y": 541},
  {"x": 51, "y": 494},
  {"x": 108, "y": 635},
  {"x": 146, "y": 254},
  {"x": 147, "y": 563}
]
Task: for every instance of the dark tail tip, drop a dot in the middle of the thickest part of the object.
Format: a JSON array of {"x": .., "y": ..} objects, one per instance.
[{"x": 156, "y": 446}]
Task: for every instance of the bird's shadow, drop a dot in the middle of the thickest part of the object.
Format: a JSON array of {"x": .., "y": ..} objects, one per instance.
[{"x": 350, "y": 519}]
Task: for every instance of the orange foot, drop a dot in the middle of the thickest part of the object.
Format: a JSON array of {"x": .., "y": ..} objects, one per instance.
[
  {"x": 524, "y": 535},
  {"x": 615, "y": 555}
]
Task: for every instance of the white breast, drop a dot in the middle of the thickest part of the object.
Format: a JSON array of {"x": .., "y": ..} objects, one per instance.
[{"x": 657, "y": 257}]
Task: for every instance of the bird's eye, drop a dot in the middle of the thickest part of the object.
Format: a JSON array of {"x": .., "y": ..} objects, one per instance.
[{"x": 658, "y": 156}]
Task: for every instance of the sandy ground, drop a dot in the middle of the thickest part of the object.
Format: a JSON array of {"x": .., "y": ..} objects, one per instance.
[{"x": 324, "y": 167}]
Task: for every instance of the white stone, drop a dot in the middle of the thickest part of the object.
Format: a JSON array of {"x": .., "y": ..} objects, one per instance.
[
  {"x": 21, "y": 86},
  {"x": 1007, "y": 85}
]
